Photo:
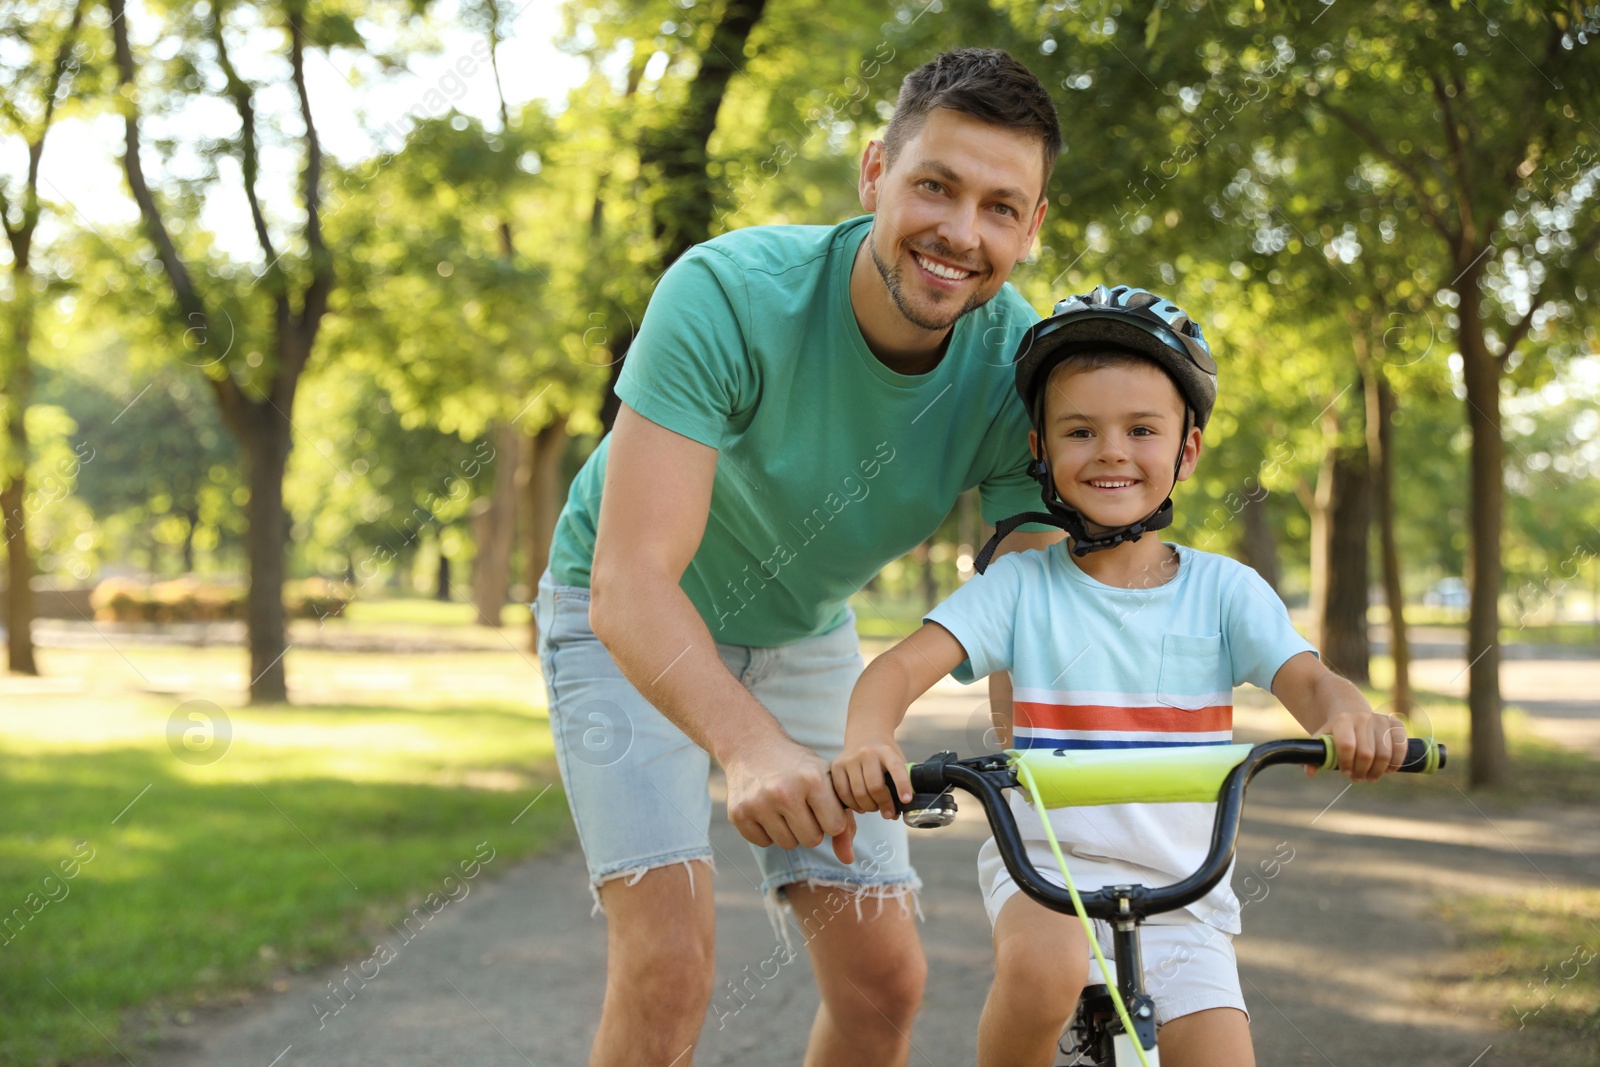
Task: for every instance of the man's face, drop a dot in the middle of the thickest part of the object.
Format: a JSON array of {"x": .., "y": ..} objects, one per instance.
[{"x": 956, "y": 211}]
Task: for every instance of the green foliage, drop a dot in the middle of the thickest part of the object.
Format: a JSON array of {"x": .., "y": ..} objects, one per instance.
[{"x": 370, "y": 487}]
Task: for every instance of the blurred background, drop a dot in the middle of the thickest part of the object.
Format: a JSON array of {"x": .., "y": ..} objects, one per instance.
[{"x": 313, "y": 308}]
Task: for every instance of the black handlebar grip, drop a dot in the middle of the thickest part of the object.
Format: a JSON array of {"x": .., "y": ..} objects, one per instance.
[
  {"x": 894, "y": 793},
  {"x": 1420, "y": 754}
]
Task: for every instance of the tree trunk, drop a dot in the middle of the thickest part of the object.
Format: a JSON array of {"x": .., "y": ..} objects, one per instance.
[
  {"x": 610, "y": 403},
  {"x": 192, "y": 515},
  {"x": 18, "y": 385},
  {"x": 1380, "y": 443},
  {"x": 495, "y": 528},
  {"x": 674, "y": 156},
  {"x": 19, "y": 575},
  {"x": 1490, "y": 764},
  {"x": 266, "y": 454},
  {"x": 1344, "y": 624},
  {"x": 1257, "y": 545},
  {"x": 923, "y": 554},
  {"x": 542, "y": 496},
  {"x": 969, "y": 521},
  {"x": 1339, "y": 558},
  {"x": 442, "y": 588}
]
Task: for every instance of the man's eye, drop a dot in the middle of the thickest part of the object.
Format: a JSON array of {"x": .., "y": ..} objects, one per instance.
[
  {"x": 1006, "y": 209},
  {"x": 932, "y": 186}
]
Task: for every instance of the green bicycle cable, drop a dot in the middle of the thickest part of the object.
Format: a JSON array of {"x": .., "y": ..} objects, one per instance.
[{"x": 1025, "y": 776}]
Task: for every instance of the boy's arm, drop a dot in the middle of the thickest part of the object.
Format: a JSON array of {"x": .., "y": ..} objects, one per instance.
[
  {"x": 877, "y": 705},
  {"x": 1369, "y": 745},
  {"x": 1000, "y": 681}
]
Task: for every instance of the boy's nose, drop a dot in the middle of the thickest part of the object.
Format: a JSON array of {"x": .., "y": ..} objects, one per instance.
[{"x": 1111, "y": 451}]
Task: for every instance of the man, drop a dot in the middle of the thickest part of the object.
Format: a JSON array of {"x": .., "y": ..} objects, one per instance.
[{"x": 801, "y": 406}]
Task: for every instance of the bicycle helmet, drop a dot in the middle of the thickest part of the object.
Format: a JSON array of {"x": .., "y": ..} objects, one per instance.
[{"x": 1124, "y": 319}]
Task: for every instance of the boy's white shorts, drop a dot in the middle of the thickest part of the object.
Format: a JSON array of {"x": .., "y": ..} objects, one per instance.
[{"x": 1188, "y": 965}]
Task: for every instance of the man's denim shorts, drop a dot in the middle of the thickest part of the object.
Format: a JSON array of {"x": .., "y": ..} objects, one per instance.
[{"x": 638, "y": 786}]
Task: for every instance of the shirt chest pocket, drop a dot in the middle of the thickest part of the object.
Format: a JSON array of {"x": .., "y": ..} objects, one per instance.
[{"x": 1192, "y": 672}]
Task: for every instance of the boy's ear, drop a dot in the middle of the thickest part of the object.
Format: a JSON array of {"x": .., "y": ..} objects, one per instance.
[
  {"x": 1191, "y": 453},
  {"x": 1033, "y": 443}
]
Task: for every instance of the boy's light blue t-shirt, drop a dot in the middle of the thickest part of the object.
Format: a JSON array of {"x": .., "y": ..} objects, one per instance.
[
  {"x": 829, "y": 464},
  {"x": 1098, "y": 666}
]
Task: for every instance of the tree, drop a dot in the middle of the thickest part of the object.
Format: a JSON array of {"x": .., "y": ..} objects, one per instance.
[
  {"x": 35, "y": 90},
  {"x": 1469, "y": 132},
  {"x": 254, "y": 388}
]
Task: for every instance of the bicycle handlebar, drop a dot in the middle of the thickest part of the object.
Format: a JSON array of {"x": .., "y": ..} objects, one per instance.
[{"x": 985, "y": 776}]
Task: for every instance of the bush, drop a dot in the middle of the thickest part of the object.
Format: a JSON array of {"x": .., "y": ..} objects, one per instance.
[
  {"x": 316, "y": 598},
  {"x": 119, "y": 600},
  {"x": 179, "y": 600},
  {"x": 191, "y": 600}
]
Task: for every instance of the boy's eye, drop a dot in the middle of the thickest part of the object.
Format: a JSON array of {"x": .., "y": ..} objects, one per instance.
[
  {"x": 1141, "y": 431},
  {"x": 1082, "y": 433}
]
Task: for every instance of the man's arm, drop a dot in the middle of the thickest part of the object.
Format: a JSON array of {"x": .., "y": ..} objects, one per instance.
[
  {"x": 1000, "y": 681},
  {"x": 653, "y": 513}
]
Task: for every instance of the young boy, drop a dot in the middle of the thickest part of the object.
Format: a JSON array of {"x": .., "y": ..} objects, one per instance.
[{"x": 1114, "y": 639}]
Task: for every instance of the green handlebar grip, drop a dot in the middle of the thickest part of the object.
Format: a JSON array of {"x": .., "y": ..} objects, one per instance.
[{"x": 1424, "y": 755}]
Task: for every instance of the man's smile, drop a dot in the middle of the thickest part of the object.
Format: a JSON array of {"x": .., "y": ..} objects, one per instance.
[{"x": 940, "y": 269}]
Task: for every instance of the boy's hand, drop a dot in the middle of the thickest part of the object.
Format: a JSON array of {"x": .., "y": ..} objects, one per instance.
[
  {"x": 858, "y": 776},
  {"x": 1369, "y": 745}
]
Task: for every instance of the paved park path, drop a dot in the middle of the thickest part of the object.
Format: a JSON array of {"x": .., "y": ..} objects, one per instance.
[{"x": 1344, "y": 960}]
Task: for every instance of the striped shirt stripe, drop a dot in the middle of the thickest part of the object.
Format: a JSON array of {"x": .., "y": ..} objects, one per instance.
[{"x": 1037, "y": 716}]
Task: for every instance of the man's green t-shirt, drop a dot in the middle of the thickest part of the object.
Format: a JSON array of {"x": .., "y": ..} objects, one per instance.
[{"x": 829, "y": 464}]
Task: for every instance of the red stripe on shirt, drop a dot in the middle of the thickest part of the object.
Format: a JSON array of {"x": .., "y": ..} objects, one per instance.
[{"x": 1103, "y": 717}]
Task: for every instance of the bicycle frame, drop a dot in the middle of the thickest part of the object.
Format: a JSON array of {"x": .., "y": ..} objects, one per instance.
[{"x": 1064, "y": 778}]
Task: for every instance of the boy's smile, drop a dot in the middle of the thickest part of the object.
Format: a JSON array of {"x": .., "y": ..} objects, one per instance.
[{"x": 1112, "y": 437}]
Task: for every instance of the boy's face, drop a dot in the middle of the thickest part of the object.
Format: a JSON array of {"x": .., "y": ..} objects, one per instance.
[
  {"x": 1112, "y": 435},
  {"x": 954, "y": 214}
]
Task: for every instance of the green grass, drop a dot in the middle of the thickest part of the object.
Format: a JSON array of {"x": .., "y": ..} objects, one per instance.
[
  {"x": 1561, "y": 633},
  {"x": 1533, "y": 964},
  {"x": 1511, "y": 633},
  {"x": 422, "y": 611},
  {"x": 1542, "y": 772},
  {"x": 320, "y": 825}
]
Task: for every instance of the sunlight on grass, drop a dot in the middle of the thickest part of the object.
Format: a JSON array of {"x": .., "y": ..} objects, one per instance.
[{"x": 315, "y": 824}]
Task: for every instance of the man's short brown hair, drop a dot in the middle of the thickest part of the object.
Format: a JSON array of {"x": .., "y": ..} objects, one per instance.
[{"x": 986, "y": 83}]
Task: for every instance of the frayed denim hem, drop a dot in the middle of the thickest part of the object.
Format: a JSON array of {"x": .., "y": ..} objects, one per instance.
[
  {"x": 906, "y": 893},
  {"x": 635, "y": 873}
]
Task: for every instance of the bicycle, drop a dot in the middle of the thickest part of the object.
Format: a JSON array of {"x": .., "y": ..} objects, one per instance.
[{"x": 1115, "y": 1026}]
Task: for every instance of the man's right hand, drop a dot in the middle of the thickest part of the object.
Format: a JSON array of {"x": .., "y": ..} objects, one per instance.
[{"x": 781, "y": 793}]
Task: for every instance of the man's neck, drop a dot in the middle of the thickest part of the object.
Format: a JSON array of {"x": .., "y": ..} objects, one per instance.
[
  {"x": 898, "y": 344},
  {"x": 1142, "y": 564}
]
